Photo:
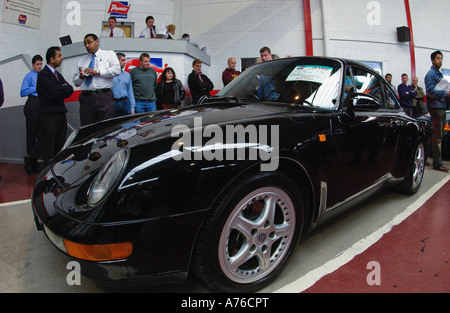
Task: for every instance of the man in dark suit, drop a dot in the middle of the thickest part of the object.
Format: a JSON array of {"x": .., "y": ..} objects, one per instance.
[{"x": 52, "y": 89}]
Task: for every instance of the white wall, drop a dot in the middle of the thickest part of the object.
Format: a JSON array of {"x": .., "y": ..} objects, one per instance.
[
  {"x": 360, "y": 29},
  {"x": 239, "y": 28},
  {"x": 15, "y": 40},
  {"x": 20, "y": 66},
  {"x": 430, "y": 19},
  {"x": 368, "y": 32},
  {"x": 352, "y": 36}
]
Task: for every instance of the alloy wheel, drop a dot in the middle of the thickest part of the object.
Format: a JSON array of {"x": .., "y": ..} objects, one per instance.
[
  {"x": 257, "y": 235},
  {"x": 418, "y": 165}
]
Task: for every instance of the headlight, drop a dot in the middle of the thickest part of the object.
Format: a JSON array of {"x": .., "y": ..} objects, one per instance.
[{"x": 107, "y": 177}]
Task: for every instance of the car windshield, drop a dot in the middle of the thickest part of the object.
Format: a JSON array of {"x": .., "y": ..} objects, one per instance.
[{"x": 304, "y": 81}]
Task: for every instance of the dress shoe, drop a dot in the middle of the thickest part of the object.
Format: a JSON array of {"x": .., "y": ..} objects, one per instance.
[{"x": 442, "y": 168}]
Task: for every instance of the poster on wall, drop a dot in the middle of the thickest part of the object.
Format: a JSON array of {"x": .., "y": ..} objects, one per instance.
[
  {"x": 119, "y": 9},
  {"x": 23, "y": 12},
  {"x": 155, "y": 63}
]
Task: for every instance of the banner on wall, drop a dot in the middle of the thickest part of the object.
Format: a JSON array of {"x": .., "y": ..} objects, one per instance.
[
  {"x": 155, "y": 63},
  {"x": 23, "y": 12},
  {"x": 119, "y": 9}
]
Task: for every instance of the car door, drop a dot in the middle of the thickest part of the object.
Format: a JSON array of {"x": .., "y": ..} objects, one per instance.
[{"x": 364, "y": 142}]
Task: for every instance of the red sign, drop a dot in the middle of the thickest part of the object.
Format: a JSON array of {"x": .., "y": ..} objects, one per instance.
[
  {"x": 132, "y": 63},
  {"x": 22, "y": 19},
  {"x": 117, "y": 7}
]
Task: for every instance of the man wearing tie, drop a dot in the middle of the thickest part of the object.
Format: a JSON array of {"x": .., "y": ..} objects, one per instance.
[
  {"x": 149, "y": 31},
  {"x": 112, "y": 30},
  {"x": 96, "y": 71},
  {"x": 52, "y": 89}
]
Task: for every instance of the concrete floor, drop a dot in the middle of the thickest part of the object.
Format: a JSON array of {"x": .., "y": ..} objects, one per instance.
[{"x": 333, "y": 258}]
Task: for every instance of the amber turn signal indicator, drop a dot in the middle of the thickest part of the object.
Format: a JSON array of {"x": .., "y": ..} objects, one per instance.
[{"x": 109, "y": 252}]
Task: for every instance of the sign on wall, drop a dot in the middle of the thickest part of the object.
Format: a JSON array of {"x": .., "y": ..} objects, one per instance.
[
  {"x": 119, "y": 9},
  {"x": 155, "y": 63},
  {"x": 23, "y": 12}
]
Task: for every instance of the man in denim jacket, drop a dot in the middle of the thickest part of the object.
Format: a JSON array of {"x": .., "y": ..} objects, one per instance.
[{"x": 437, "y": 105}]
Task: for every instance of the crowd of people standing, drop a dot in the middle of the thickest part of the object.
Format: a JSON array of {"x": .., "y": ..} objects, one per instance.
[
  {"x": 411, "y": 98},
  {"x": 106, "y": 90}
]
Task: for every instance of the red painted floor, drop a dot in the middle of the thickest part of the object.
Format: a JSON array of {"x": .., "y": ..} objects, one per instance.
[
  {"x": 15, "y": 184},
  {"x": 414, "y": 257}
]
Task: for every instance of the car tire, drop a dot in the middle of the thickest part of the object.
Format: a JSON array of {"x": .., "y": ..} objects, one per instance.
[
  {"x": 416, "y": 168},
  {"x": 250, "y": 234}
]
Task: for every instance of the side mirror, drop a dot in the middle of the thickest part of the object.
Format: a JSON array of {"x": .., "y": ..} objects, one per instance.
[{"x": 362, "y": 102}]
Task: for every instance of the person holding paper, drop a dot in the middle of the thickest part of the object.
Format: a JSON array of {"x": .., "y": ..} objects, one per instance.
[
  {"x": 437, "y": 105},
  {"x": 95, "y": 77}
]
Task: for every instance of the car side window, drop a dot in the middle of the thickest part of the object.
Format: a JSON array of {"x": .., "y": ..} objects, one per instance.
[
  {"x": 392, "y": 102},
  {"x": 348, "y": 82},
  {"x": 369, "y": 83},
  {"x": 348, "y": 85}
]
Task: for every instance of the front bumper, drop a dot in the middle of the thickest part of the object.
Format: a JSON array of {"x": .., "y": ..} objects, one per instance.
[{"x": 161, "y": 247}]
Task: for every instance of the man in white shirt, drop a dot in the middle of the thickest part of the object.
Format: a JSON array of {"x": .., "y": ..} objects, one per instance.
[
  {"x": 112, "y": 30},
  {"x": 150, "y": 30},
  {"x": 96, "y": 71}
]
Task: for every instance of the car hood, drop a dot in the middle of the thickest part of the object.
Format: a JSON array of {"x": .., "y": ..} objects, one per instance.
[{"x": 77, "y": 162}]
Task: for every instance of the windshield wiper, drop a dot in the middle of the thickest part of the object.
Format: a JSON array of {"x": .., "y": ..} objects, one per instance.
[{"x": 205, "y": 99}]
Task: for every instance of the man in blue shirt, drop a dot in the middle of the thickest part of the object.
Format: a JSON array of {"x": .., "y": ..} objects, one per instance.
[
  {"x": 406, "y": 95},
  {"x": 437, "y": 105},
  {"x": 31, "y": 112},
  {"x": 124, "y": 102}
]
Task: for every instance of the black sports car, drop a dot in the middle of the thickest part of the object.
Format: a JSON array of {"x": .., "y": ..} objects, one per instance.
[
  {"x": 224, "y": 189},
  {"x": 445, "y": 148}
]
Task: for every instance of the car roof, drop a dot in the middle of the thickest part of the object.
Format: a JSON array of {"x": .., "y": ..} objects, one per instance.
[{"x": 345, "y": 61}]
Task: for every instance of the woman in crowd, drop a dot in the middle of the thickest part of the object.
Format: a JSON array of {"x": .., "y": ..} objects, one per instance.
[{"x": 170, "y": 91}]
